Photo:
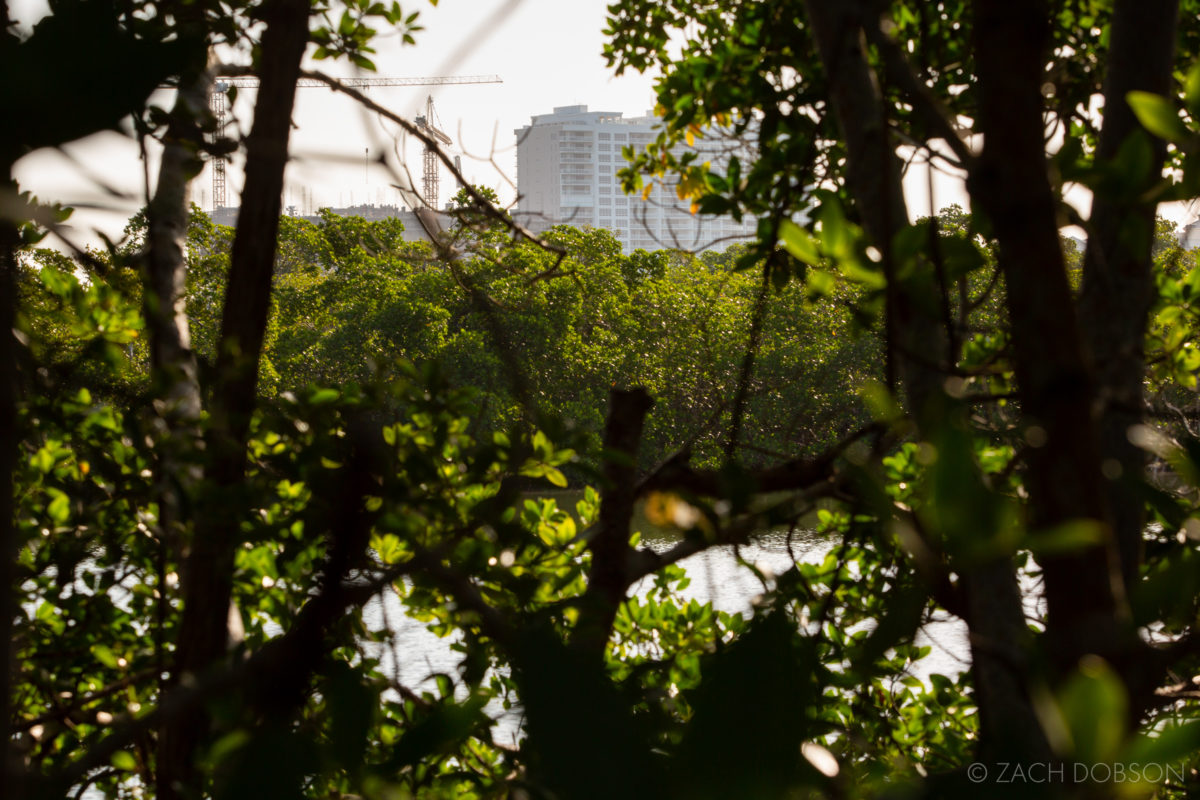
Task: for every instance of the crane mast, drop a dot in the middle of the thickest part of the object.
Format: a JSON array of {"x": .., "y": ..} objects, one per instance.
[
  {"x": 220, "y": 111},
  {"x": 429, "y": 177}
]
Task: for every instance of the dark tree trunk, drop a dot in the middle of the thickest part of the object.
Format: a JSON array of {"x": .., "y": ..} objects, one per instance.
[
  {"x": 608, "y": 579},
  {"x": 999, "y": 637},
  {"x": 208, "y": 573},
  {"x": 1054, "y": 380},
  {"x": 914, "y": 339},
  {"x": 1117, "y": 281},
  {"x": 11, "y": 773}
]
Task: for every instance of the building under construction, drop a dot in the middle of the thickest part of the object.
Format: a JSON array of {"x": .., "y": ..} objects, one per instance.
[
  {"x": 418, "y": 224},
  {"x": 425, "y": 123}
]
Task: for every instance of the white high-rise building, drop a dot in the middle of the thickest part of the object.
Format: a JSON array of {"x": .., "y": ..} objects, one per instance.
[{"x": 566, "y": 173}]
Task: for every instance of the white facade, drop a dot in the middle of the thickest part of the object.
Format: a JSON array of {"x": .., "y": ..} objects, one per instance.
[
  {"x": 1189, "y": 237},
  {"x": 566, "y": 173}
]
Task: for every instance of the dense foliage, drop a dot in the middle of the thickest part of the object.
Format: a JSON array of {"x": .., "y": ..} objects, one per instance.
[{"x": 352, "y": 297}]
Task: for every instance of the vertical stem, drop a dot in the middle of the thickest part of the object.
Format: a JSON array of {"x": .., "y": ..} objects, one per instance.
[
  {"x": 10, "y": 774},
  {"x": 1118, "y": 286},
  {"x": 173, "y": 365},
  {"x": 171, "y": 358},
  {"x": 10, "y": 771},
  {"x": 1054, "y": 378},
  {"x": 752, "y": 346},
  {"x": 208, "y": 572},
  {"x": 608, "y": 577},
  {"x": 915, "y": 338}
]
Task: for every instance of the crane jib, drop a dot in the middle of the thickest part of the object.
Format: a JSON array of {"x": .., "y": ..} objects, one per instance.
[{"x": 217, "y": 104}]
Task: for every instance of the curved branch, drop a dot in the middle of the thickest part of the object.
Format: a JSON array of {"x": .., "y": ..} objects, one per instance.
[
  {"x": 482, "y": 203},
  {"x": 932, "y": 112}
]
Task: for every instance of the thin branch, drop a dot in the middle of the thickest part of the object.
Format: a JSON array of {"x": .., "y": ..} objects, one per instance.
[
  {"x": 743, "y": 385},
  {"x": 645, "y": 561},
  {"x": 795, "y": 474},
  {"x": 931, "y": 110},
  {"x": 411, "y": 129},
  {"x": 263, "y": 666},
  {"x": 86, "y": 700}
]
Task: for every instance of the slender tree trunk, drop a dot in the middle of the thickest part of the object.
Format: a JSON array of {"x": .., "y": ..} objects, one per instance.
[
  {"x": 171, "y": 359},
  {"x": 1054, "y": 379},
  {"x": 11, "y": 772},
  {"x": 1117, "y": 281},
  {"x": 208, "y": 573},
  {"x": 999, "y": 637},
  {"x": 172, "y": 363},
  {"x": 873, "y": 177},
  {"x": 608, "y": 578}
]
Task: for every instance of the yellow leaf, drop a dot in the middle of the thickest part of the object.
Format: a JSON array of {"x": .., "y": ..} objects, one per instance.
[{"x": 691, "y": 139}]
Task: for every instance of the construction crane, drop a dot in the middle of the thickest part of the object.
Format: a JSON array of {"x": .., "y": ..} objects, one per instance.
[
  {"x": 429, "y": 178},
  {"x": 220, "y": 111}
]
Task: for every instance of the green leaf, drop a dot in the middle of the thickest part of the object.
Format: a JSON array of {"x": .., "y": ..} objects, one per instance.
[
  {"x": 1069, "y": 537},
  {"x": 227, "y": 745},
  {"x": 325, "y": 396},
  {"x": 799, "y": 243},
  {"x": 43, "y": 460},
  {"x": 1166, "y": 746},
  {"x": 1094, "y": 706},
  {"x": 59, "y": 508},
  {"x": 1191, "y": 90},
  {"x": 124, "y": 760},
  {"x": 105, "y": 655},
  {"x": 1158, "y": 116}
]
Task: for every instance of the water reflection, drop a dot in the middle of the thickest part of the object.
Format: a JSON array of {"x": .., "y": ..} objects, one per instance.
[{"x": 718, "y": 575}]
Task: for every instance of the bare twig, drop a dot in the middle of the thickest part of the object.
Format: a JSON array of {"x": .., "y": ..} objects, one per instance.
[{"x": 411, "y": 129}]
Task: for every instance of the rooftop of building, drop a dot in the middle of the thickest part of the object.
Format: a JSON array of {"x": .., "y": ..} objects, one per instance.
[{"x": 579, "y": 114}]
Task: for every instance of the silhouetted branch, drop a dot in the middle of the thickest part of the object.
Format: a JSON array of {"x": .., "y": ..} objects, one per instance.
[
  {"x": 609, "y": 578},
  {"x": 411, "y": 129},
  {"x": 932, "y": 112},
  {"x": 801, "y": 473}
]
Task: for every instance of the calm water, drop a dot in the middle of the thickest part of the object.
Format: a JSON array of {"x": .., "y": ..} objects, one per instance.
[{"x": 717, "y": 576}]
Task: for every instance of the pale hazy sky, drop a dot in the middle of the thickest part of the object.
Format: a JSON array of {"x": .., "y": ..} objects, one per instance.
[{"x": 548, "y": 53}]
